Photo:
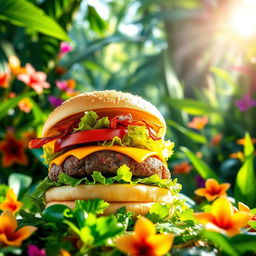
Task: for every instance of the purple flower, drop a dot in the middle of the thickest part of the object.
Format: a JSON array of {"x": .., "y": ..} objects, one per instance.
[
  {"x": 55, "y": 101},
  {"x": 245, "y": 103},
  {"x": 200, "y": 182},
  {"x": 33, "y": 250},
  {"x": 65, "y": 48}
]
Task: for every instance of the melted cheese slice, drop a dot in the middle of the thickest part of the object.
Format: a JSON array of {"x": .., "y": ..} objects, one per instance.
[{"x": 138, "y": 154}]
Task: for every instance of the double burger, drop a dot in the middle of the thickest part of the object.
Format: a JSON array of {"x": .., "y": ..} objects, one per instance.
[{"x": 107, "y": 145}]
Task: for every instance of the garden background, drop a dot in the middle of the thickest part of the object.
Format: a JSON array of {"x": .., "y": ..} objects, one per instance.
[{"x": 195, "y": 60}]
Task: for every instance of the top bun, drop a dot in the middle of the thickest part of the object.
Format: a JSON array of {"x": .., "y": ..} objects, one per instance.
[{"x": 108, "y": 103}]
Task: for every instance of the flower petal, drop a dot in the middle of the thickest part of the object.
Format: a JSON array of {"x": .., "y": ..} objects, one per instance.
[
  {"x": 126, "y": 244},
  {"x": 200, "y": 192},
  {"x": 25, "y": 232},
  {"x": 222, "y": 210},
  {"x": 240, "y": 219},
  {"x": 224, "y": 187},
  {"x": 210, "y": 197},
  {"x": 211, "y": 184},
  {"x": 8, "y": 223},
  {"x": 211, "y": 226},
  {"x": 204, "y": 217},
  {"x": 243, "y": 207},
  {"x": 144, "y": 228},
  {"x": 161, "y": 243}
]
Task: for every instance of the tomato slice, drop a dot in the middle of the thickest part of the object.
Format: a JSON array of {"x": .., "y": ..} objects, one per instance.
[{"x": 88, "y": 136}]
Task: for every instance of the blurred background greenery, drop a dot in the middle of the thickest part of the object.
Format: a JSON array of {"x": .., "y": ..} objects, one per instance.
[{"x": 194, "y": 59}]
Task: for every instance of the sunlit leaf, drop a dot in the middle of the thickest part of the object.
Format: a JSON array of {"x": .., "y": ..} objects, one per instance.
[
  {"x": 200, "y": 166},
  {"x": 196, "y": 137},
  {"x": 24, "y": 13},
  {"x": 19, "y": 183},
  {"x": 245, "y": 179}
]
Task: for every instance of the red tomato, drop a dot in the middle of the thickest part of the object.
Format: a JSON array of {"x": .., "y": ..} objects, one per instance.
[{"x": 88, "y": 136}]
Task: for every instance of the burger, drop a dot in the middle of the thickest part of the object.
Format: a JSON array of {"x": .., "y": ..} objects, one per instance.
[{"x": 106, "y": 145}]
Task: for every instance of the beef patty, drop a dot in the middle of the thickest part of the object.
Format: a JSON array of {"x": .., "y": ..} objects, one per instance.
[{"x": 107, "y": 162}]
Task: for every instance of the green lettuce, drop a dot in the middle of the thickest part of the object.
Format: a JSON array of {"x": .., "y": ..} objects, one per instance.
[
  {"x": 123, "y": 176},
  {"x": 91, "y": 120}
]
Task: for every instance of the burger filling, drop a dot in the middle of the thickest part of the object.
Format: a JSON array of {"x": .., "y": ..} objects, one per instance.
[{"x": 107, "y": 162}]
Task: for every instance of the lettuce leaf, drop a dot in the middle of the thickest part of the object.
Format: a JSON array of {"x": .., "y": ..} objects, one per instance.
[
  {"x": 91, "y": 120},
  {"x": 123, "y": 176}
]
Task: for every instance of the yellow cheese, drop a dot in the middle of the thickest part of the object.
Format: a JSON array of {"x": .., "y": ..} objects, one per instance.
[{"x": 138, "y": 154}]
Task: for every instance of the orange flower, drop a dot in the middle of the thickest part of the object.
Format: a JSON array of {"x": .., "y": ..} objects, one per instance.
[
  {"x": 13, "y": 150},
  {"x": 216, "y": 139},
  {"x": 11, "y": 203},
  {"x": 198, "y": 123},
  {"x": 242, "y": 141},
  {"x": 64, "y": 253},
  {"x": 144, "y": 240},
  {"x": 14, "y": 65},
  {"x": 182, "y": 168},
  {"x": 8, "y": 234},
  {"x": 244, "y": 208},
  {"x": 238, "y": 155},
  {"x": 25, "y": 105},
  {"x": 5, "y": 80},
  {"x": 212, "y": 189},
  {"x": 223, "y": 217}
]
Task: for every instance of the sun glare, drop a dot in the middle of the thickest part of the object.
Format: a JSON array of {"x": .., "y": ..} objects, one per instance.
[{"x": 243, "y": 19}]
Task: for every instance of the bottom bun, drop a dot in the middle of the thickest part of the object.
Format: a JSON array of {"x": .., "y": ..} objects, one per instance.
[{"x": 137, "y": 208}]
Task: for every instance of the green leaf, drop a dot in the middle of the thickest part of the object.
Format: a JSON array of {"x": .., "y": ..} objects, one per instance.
[
  {"x": 55, "y": 213},
  {"x": 24, "y": 13},
  {"x": 159, "y": 212},
  {"x": 12, "y": 103},
  {"x": 248, "y": 146},
  {"x": 19, "y": 183},
  {"x": 123, "y": 174},
  {"x": 223, "y": 242},
  {"x": 201, "y": 167},
  {"x": 69, "y": 181},
  {"x": 97, "y": 24},
  {"x": 3, "y": 190},
  {"x": 95, "y": 206},
  {"x": 244, "y": 243},
  {"x": 98, "y": 178},
  {"x": 192, "y": 107},
  {"x": 197, "y": 137}
]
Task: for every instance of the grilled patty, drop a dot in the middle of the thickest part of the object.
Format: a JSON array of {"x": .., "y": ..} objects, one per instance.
[{"x": 107, "y": 162}]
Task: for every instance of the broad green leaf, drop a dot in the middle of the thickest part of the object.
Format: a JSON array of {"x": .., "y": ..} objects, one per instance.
[
  {"x": 248, "y": 147},
  {"x": 193, "y": 107},
  {"x": 12, "y": 103},
  {"x": 189, "y": 133},
  {"x": 223, "y": 242},
  {"x": 24, "y": 13},
  {"x": 244, "y": 243},
  {"x": 97, "y": 24},
  {"x": 245, "y": 183},
  {"x": 201, "y": 167},
  {"x": 55, "y": 213},
  {"x": 159, "y": 212},
  {"x": 19, "y": 183}
]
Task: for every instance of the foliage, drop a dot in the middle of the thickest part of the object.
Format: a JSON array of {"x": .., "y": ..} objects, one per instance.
[{"x": 184, "y": 57}]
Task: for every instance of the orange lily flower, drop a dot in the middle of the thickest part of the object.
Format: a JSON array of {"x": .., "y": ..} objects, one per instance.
[
  {"x": 198, "y": 123},
  {"x": 14, "y": 65},
  {"x": 5, "y": 80},
  {"x": 212, "y": 189},
  {"x": 244, "y": 208},
  {"x": 11, "y": 203},
  {"x": 144, "y": 240},
  {"x": 182, "y": 168},
  {"x": 25, "y": 105},
  {"x": 8, "y": 233},
  {"x": 223, "y": 217},
  {"x": 13, "y": 150}
]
